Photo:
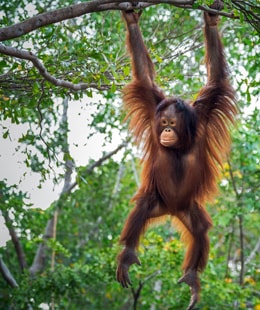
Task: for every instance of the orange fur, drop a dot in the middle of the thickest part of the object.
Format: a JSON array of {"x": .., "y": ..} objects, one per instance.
[{"x": 178, "y": 180}]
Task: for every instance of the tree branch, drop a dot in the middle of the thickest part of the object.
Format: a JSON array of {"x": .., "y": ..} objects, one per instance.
[
  {"x": 253, "y": 253},
  {"x": 16, "y": 241},
  {"x": 136, "y": 293},
  {"x": 40, "y": 257},
  {"x": 247, "y": 9},
  {"x": 80, "y": 9},
  {"x": 7, "y": 274},
  {"x": 73, "y": 11},
  {"x": 22, "y": 54},
  {"x": 241, "y": 225}
]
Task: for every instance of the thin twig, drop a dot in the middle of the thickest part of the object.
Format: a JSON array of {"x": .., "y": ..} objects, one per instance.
[
  {"x": 99, "y": 162},
  {"x": 241, "y": 227}
]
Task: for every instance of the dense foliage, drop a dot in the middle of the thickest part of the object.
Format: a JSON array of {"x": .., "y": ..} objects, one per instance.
[{"x": 64, "y": 254}]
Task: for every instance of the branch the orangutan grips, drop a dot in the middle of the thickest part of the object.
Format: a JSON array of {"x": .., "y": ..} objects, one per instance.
[
  {"x": 183, "y": 146},
  {"x": 217, "y": 5},
  {"x": 213, "y": 19}
]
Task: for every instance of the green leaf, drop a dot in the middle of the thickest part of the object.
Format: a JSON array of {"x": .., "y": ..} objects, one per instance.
[
  {"x": 113, "y": 87},
  {"x": 6, "y": 134}
]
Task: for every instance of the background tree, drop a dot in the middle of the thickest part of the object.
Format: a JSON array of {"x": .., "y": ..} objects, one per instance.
[{"x": 62, "y": 57}]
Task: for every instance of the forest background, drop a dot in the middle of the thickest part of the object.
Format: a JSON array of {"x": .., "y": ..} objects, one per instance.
[{"x": 69, "y": 167}]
